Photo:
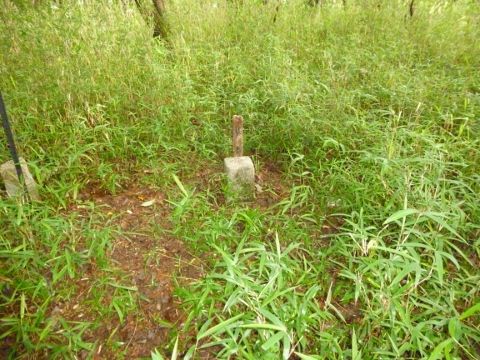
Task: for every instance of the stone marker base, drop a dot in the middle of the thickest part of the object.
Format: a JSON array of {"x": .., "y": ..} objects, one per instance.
[
  {"x": 13, "y": 186},
  {"x": 241, "y": 175}
]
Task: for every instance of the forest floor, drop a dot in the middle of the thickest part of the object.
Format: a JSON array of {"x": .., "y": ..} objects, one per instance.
[{"x": 362, "y": 239}]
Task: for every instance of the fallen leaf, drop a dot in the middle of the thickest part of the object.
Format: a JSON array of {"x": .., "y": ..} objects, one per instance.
[{"x": 148, "y": 203}]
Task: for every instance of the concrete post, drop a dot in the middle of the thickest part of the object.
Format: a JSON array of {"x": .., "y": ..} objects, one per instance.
[{"x": 239, "y": 169}]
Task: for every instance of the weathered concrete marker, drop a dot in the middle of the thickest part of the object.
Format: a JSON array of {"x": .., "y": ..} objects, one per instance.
[
  {"x": 239, "y": 168},
  {"x": 13, "y": 186}
]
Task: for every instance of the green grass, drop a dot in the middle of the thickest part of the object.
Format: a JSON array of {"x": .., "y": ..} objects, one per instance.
[{"x": 372, "y": 117}]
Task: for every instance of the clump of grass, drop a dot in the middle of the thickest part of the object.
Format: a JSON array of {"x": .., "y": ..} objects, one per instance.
[
  {"x": 369, "y": 291},
  {"x": 42, "y": 257},
  {"x": 260, "y": 300}
]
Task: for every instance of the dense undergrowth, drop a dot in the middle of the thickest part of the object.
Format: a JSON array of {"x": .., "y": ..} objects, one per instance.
[{"x": 372, "y": 117}]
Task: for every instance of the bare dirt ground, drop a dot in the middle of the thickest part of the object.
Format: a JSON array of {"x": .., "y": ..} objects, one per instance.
[{"x": 150, "y": 261}]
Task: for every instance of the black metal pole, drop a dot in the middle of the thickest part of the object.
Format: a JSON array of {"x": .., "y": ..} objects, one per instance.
[{"x": 10, "y": 140}]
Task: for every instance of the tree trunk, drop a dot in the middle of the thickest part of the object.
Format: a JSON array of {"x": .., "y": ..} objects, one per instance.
[
  {"x": 160, "y": 21},
  {"x": 160, "y": 28}
]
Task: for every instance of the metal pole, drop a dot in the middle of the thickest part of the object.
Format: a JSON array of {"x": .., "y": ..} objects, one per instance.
[{"x": 10, "y": 140}]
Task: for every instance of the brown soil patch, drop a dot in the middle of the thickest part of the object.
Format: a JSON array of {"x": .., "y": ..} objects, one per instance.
[
  {"x": 331, "y": 226},
  {"x": 270, "y": 186},
  {"x": 149, "y": 260}
]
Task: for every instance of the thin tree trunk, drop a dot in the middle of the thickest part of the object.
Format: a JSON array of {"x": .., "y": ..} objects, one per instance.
[
  {"x": 160, "y": 21},
  {"x": 160, "y": 28}
]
